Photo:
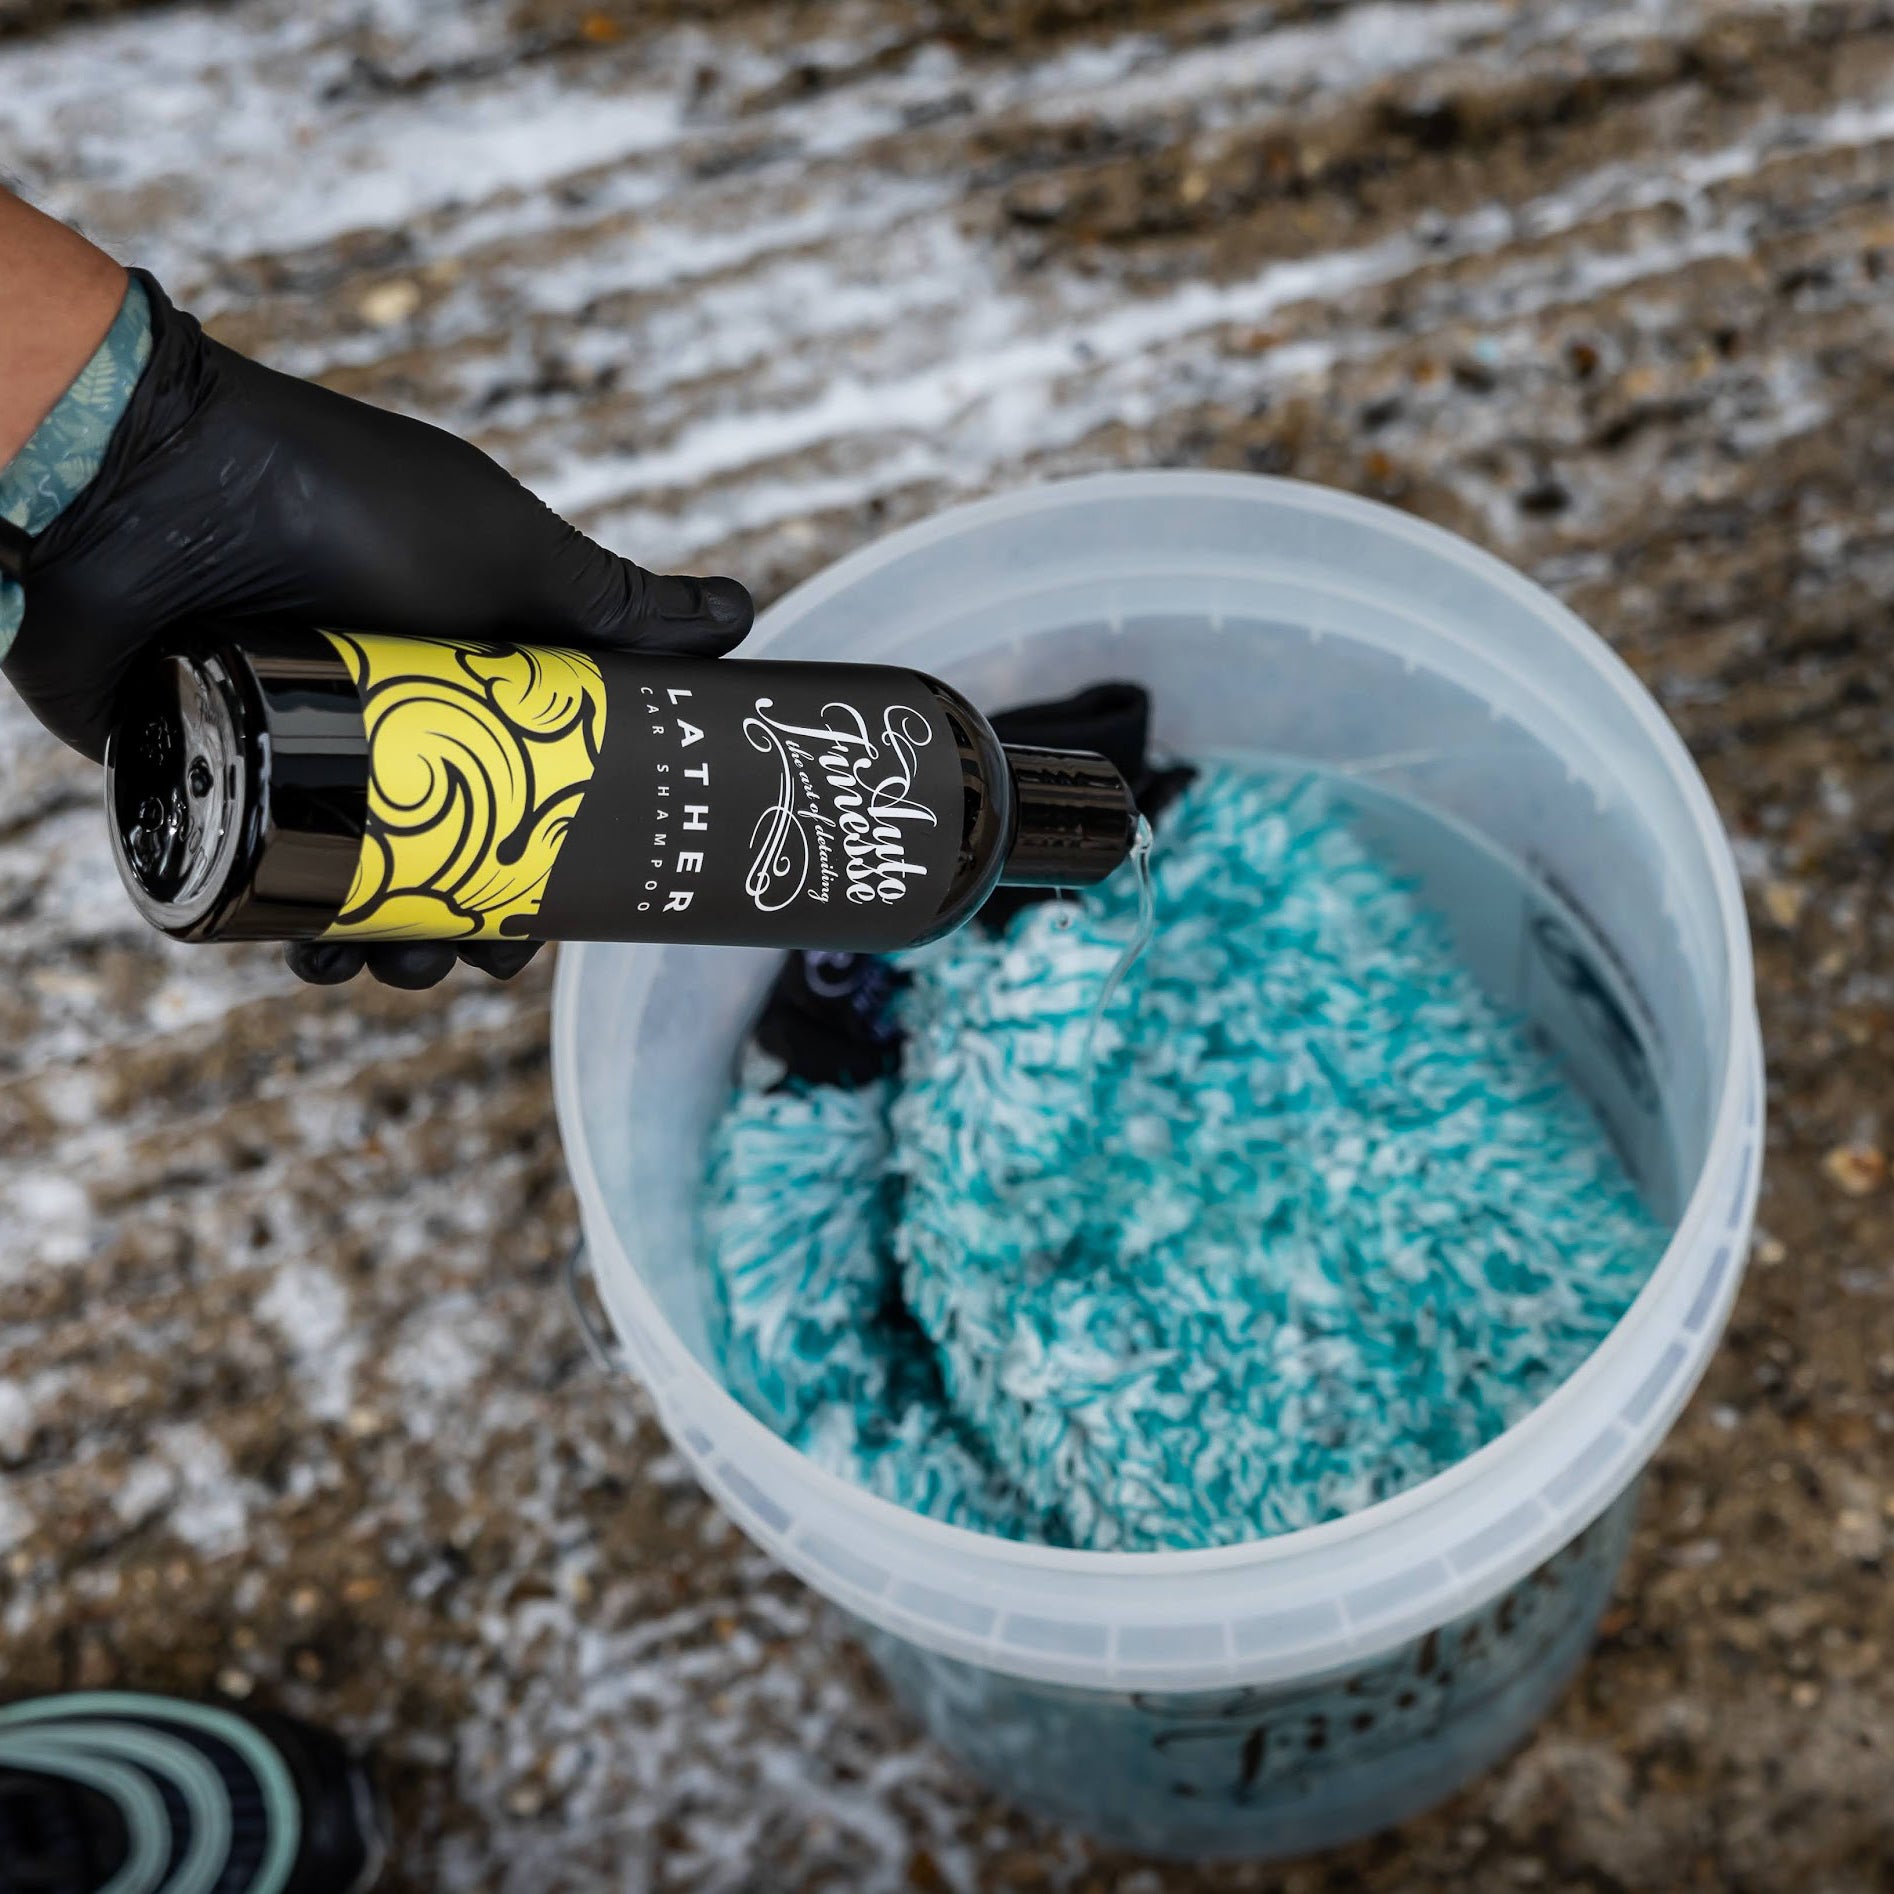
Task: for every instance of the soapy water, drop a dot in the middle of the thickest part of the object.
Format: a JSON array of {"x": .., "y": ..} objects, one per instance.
[
  {"x": 1325, "y": 1220},
  {"x": 1140, "y": 865},
  {"x": 1065, "y": 918}
]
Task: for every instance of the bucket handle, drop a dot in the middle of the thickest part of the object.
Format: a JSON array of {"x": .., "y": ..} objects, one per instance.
[{"x": 582, "y": 1293}]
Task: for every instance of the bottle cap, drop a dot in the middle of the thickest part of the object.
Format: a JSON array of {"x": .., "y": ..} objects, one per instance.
[
  {"x": 236, "y": 787},
  {"x": 1074, "y": 819}
]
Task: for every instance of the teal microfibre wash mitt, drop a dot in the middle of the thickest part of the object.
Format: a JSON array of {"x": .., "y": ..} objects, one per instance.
[
  {"x": 815, "y": 1340},
  {"x": 1303, "y": 1219}
]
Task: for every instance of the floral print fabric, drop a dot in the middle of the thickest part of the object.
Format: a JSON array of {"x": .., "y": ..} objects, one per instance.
[{"x": 66, "y": 450}]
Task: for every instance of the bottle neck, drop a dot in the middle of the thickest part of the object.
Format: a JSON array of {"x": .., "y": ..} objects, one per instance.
[{"x": 1074, "y": 820}]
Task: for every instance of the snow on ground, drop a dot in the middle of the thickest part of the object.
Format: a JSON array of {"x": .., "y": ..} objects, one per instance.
[{"x": 289, "y": 1400}]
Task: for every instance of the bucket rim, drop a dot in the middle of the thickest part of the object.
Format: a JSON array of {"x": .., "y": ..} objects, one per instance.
[{"x": 1733, "y": 1146}]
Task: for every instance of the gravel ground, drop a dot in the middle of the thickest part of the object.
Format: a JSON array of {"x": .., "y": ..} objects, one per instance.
[{"x": 289, "y": 1404}]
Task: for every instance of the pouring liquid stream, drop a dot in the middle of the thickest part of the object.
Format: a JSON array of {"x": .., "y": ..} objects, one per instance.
[{"x": 1140, "y": 864}]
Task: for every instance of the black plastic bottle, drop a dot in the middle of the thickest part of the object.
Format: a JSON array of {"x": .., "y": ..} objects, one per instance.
[{"x": 294, "y": 785}]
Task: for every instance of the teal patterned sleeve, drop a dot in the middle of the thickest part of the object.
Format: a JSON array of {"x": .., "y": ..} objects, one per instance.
[{"x": 67, "y": 449}]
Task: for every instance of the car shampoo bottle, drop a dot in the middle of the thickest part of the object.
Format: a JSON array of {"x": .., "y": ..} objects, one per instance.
[{"x": 306, "y": 784}]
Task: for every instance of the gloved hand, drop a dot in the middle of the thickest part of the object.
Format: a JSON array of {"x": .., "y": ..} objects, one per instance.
[{"x": 232, "y": 494}]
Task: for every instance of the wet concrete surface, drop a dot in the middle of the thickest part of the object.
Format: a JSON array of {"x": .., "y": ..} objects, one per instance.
[{"x": 290, "y": 1404}]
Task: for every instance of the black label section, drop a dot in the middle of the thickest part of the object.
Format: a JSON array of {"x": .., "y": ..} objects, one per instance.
[{"x": 776, "y": 805}]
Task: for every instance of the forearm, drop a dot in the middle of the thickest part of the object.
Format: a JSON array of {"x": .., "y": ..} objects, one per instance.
[{"x": 58, "y": 295}]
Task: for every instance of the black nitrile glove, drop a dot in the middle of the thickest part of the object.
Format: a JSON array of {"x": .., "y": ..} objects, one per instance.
[{"x": 234, "y": 495}]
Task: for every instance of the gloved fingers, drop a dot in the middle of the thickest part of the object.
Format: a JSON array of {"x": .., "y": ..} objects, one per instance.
[
  {"x": 594, "y": 597},
  {"x": 324, "y": 962},
  {"x": 411, "y": 964},
  {"x": 706, "y": 617},
  {"x": 502, "y": 959}
]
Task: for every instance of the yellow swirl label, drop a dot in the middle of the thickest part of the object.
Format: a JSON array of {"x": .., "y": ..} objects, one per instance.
[{"x": 479, "y": 756}]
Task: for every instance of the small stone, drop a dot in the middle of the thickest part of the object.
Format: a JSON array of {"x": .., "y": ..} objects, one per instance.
[
  {"x": 1783, "y": 901},
  {"x": 924, "y": 1873},
  {"x": 364, "y": 1421},
  {"x": 1195, "y": 187},
  {"x": 600, "y": 29},
  {"x": 97, "y": 1669},
  {"x": 234, "y": 1682},
  {"x": 389, "y": 303},
  {"x": 308, "y": 1666},
  {"x": 1857, "y": 1169},
  {"x": 1805, "y": 1696},
  {"x": 1794, "y": 1618},
  {"x": 305, "y": 1601},
  {"x": 358, "y": 1591},
  {"x": 1767, "y": 1251},
  {"x": 1859, "y": 1534},
  {"x": 1252, "y": 341},
  {"x": 526, "y": 1801}
]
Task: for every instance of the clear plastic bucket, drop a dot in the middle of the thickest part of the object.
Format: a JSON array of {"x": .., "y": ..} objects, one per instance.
[{"x": 1271, "y": 1698}]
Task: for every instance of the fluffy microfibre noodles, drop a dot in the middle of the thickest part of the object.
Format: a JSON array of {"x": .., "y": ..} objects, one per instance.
[{"x": 1314, "y": 1222}]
